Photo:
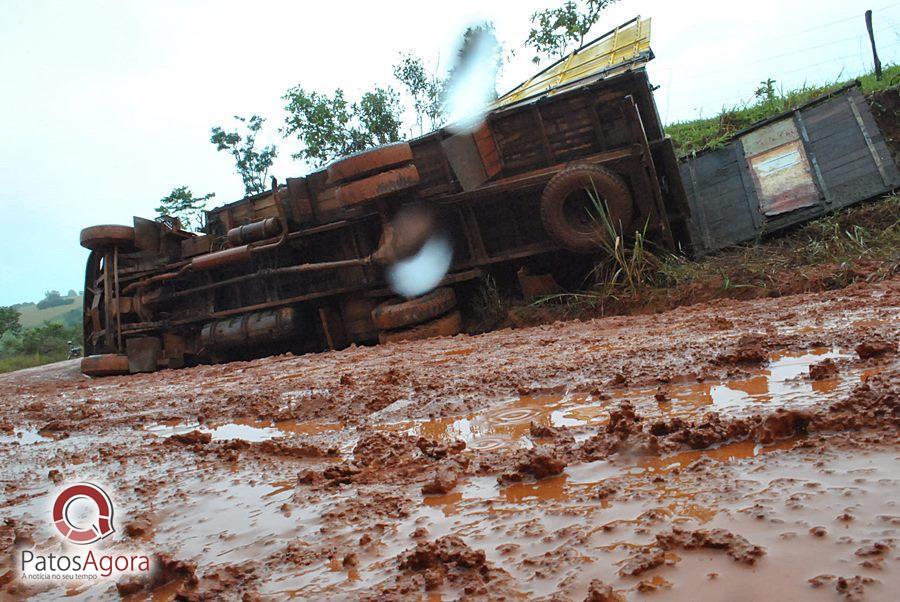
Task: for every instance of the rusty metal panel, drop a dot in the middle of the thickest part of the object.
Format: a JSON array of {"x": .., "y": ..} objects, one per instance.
[
  {"x": 143, "y": 354},
  {"x": 146, "y": 234},
  {"x": 490, "y": 156},
  {"x": 781, "y": 171},
  {"x": 195, "y": 245},
  {"x": 462, "y": 152}
]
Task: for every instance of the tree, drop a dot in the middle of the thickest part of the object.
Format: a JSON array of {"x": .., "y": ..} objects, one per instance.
[
  {"x": 555, "y": 29},
  {"x": 251, "y": 164},
  {"x": 182, "y": 203},
  {"x": 331, "y": 127},
  {"x": 48, "y": 339},
  {"x": 53, "y": 299},
  {"x": 378, "y": 116},
  {"x": 426, "y": 89},
  {"x": 9, "y": 321}
]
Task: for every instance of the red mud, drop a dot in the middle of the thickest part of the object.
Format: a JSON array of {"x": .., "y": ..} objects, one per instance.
[{"x": 720, "y": 451}]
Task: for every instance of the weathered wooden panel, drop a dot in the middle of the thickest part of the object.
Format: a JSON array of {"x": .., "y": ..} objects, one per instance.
[
  {"x": 853, "y": 159},
  {"x": 720, "y": 209},
  {"x": 826, "y": 155},
  {"x": 429, "y": 159},
  {"x": 490, "y": 156},
  {"x": 518, "y": 139}
]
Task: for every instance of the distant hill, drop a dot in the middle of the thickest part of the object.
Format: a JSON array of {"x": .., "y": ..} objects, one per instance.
[{"x": 68, "y": 314}]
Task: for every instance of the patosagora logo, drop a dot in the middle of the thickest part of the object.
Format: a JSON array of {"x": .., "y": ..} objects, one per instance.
[
  {"x": 77, "y": 533},
  {"x": 82, "y": 514}
]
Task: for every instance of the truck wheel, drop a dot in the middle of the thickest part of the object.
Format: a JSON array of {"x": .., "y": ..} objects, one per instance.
[
  {"x": 108, "y": 364},
  {"x": 568, "y": 212},
  {"x": 400, "y": 313},
  {"x": 445, "y": 326},
  {"x": 97, "y": 238},
  {"x": 368, "y": 162},
  {"x": 377, "y": 186}
]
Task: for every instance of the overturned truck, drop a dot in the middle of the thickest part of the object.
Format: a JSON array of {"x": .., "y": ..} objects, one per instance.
[{"x": 310, "y": 265}]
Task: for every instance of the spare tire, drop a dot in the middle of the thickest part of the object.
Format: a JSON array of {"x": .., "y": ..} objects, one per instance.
[
  {"x": 568, "y": 212},
  {"x": 400, "y": 313},
  {"x": 98, "y": 238},
  {"x": 445, "y": 326},
  {"x": 368, "y": 162},
  {"x": 108, "y": 364},
  {"x": 377, "y": 186}
]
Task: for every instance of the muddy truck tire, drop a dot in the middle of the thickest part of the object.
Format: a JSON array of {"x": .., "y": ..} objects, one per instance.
[
  {"x": 400, "y": 313},
  {"x": 378, "y": 186},
  {"x": 366, "y": 163},
  {"x": 98, "y": 238},
  {"x": 108, "y": 364},
  {"x": 567, "y": 211},
  {"x": 445, "y": 326}
]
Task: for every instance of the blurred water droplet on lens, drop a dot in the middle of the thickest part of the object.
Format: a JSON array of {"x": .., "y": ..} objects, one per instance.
[
  {"x": 472, "y": 82},
  {"x": 423, "y": 271}
]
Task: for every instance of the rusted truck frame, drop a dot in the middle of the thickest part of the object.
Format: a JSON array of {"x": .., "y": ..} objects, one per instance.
[
  {"x": 302, "y": 268},
  {"x": 296, "y": 268}
]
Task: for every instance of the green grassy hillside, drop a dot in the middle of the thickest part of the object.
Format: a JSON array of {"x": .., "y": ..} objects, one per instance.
[
  {"x": 712, "y": 132},
  {"x": 67, "y": 315}
]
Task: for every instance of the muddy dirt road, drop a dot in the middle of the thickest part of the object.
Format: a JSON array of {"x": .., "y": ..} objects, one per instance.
[{"x": 733, "y": 451}]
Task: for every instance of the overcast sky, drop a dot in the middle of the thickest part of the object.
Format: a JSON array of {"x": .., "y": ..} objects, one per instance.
[{"x": 107, "y": 105}]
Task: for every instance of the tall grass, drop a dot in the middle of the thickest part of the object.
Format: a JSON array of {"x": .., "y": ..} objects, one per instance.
[
  {"x": 713, "y": 132},
  {"x": 627, "y": 264}
]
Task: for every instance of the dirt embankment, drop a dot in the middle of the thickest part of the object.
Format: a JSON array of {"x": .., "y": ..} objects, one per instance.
[{"x": 710, "y": 452}]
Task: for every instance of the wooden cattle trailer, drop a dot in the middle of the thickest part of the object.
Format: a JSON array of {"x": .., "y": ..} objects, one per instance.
[
  {"x": 303, "y": 267},
  {"x": 822, "y": 156}
]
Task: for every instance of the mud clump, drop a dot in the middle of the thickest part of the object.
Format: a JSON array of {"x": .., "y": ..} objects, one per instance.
[
  {"x": 166, "y": 570},
  {"x": 139, "y": 527},
  {"x": 7, "y": 537},
  {"x": 540, "y": 431},
  {"x": 875, "y": 549},
  {"x": 853, "y": 589},
  {"x": 718, "y": 539},
  {"x": 448, "y": 559},
  {"x": 380, "y": 449},
  {"x": 443, "y": 481},
  {"x": 290, "y": 450},
  {"x": 869, "y": 349},
  {"x": 538, "y": 463},
  {"x": 750, "y": 349},
  {"x": 599, "y": 591},
  {"x": 824, "y": 369},
  {"x": 193, "y": 438},
  {"x": 783, "y": 424},
  {"x": 709, "y": 430},
  {"x": 437, "y": 450},
  {"x": 644, "y": 560}
]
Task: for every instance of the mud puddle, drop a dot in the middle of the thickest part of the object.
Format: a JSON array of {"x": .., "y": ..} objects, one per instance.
[
  {"x": 25, "y": 437},
  {"x": 783, "y": 382}
]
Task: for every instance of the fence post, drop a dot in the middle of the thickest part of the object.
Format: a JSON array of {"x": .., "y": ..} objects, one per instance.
[{"x": 872, "y": 40}]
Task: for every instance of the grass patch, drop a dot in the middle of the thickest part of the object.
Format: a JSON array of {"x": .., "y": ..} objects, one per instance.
[
  {"x": 861, "y": 243},
  {"x": 21, "y": 361},
  {"x": 713, "y": 132}
]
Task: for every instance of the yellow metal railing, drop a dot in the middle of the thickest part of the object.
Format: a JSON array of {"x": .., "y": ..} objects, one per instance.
[{"x": 622, "y": 48}]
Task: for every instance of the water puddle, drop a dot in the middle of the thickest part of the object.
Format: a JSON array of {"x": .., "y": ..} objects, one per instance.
[
  {"x": 783, "y": 381},
  {"x": 24, "y": 437},
  {"x": 225, "y": 432}
]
